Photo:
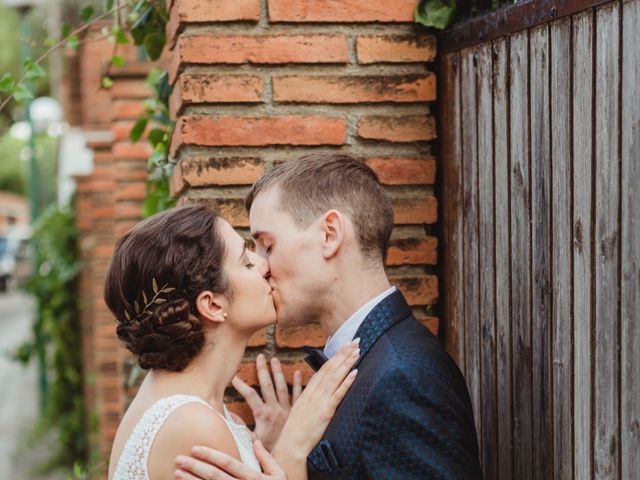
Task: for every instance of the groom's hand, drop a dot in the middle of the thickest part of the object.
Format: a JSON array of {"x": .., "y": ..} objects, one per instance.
[{"x": 272, "y": 409}]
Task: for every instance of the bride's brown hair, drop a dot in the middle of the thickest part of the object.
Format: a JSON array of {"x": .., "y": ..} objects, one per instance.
[{"x": 157, "y": 271}]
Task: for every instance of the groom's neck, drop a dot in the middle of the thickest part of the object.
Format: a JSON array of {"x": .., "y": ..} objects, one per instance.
[{"x": 350, "y": 292}]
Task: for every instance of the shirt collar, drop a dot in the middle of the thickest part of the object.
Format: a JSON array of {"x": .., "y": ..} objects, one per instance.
[{"x": 348, "y": 329}]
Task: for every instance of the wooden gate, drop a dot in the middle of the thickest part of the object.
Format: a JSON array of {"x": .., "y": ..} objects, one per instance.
[{"x": 540, "y": 188}]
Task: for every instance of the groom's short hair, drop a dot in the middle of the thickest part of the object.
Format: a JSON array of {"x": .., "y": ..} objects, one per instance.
[{"x": 317, "y": 182}]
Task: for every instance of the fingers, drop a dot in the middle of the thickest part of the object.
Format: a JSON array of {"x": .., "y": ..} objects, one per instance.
[
  {"x": 208, "y": 462},
  {"x": 342, "y": 390},
  {"x": 250, "y": 395},
  {"x": 264, "y": 377},
  {"x": 297, "y": 386},
  {"x": 281, "y": 384},
  {"x": 267, "y": 462},
  {"x": 339, "y": 365},
  {"x": 211, "y": 469}
]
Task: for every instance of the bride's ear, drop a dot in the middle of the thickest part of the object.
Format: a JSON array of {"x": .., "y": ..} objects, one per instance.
[
  {"x": 211, "y": 306},
  {"x": 333, "y": 231}
]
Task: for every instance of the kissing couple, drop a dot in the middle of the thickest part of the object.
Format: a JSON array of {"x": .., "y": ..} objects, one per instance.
[{"x": 387, "y": 401}]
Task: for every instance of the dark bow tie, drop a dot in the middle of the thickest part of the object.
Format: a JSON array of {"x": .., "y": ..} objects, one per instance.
[{"x": 315, "y": 357}]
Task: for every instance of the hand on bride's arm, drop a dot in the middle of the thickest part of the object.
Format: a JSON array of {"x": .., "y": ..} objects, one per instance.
[
  {"x": 272, "y": 409},
  {"x": 307, "y": 422}
]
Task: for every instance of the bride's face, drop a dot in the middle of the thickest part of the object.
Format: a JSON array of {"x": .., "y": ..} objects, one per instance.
[{"x": 252, "y": 306}]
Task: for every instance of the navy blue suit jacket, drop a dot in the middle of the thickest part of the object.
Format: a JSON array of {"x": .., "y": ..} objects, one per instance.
[{"x": 408, "y": 414}]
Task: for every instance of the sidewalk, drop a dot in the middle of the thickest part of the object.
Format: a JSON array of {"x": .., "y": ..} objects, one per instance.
[{"x": 19, "y": 397}]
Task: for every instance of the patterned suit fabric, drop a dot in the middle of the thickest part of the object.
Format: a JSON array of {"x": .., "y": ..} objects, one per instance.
[{"x": 408, "y": 415}]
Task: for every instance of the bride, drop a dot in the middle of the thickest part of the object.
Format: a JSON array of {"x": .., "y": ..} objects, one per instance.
[{"x": 187, "y": 295}]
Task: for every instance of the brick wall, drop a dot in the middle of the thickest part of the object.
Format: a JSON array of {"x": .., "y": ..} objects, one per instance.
[{"x": 261, "y": 81}]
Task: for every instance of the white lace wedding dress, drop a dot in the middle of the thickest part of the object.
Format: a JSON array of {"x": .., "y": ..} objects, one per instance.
[{"x": 132, "y": 464}]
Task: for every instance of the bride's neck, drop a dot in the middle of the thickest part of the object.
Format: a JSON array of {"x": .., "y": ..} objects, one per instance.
[{"x": 209, "y": 373}]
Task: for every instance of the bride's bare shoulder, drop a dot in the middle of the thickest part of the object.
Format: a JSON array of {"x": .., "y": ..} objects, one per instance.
[{"x": 189, "y": 425}]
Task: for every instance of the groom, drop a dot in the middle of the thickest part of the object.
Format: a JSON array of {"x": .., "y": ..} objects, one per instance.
[{"x": 324, "y": 223}]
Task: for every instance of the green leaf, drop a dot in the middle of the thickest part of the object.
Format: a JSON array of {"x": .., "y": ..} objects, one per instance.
[
  {"x": 7, "y": 83},
  {"x": 108, "y": 5},
  {"x": 50, "y": 42},
  {"x": 33, "y": 72},
  {"x": 154, "y": 44},
  {"x": 73, "y": 42},
  {"x": 138, "y": 129},
  {"x": 107, "y": 82},
  {"x": 156, "y": 136},
  {"x": 117, "y": 61},
  {"x": 86, "y": 13},
  {"x": 435, "y": 13},
  {"x": 66, "y": 30},
  {"x": 22, "y": 93},
  {"x": 120, "y": 36}
]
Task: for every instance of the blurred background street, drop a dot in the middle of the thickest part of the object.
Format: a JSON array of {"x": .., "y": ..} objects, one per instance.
[{"x": 19, "y": 397}]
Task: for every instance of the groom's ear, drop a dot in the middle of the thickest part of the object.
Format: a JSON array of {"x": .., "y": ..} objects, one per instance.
[
  {"x": 211, "y": 306},
  {"x": 333, "y": 233}
]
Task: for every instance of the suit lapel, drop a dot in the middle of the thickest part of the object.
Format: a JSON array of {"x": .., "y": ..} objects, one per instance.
[{"x": 384, "y": 315}]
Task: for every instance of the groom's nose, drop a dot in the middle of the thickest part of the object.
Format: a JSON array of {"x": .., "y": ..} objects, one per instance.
[{"x": 264, "y": 267}]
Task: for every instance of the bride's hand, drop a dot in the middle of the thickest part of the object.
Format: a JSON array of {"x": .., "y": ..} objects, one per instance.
[
  {"x": 314, "y": 409},
  {"x": 272, "y": 409},
  {"x": 209, "y": 464}
]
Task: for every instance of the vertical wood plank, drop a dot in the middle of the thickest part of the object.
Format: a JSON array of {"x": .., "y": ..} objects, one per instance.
[
  {"x": 540, "y": 250},
  {"x": 502, "y": 257},
  {"x": 451, "y": 161},
  {"x": 582, "y": 126},
  {"x": 470, "y": 231},
  {"x": 561, "y": 246},
  {"x": 606, "y": 243},
  {"x": 487, "y": 261},
  {"x": 630, "y": 247},
  {"x": 521, "y": 253}
]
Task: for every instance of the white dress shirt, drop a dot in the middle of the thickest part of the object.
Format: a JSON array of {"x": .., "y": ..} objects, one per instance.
[{"x": 348, "y": 329}]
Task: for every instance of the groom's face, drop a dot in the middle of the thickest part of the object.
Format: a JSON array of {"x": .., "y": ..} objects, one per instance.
[{"x": 295, "y": 263}]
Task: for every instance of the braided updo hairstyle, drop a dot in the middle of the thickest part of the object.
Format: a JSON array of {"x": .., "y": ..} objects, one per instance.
[{"x": 157, "y": 271}]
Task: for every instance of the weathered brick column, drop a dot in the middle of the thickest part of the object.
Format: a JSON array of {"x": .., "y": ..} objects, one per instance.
[{"x": 261, "y": 81}]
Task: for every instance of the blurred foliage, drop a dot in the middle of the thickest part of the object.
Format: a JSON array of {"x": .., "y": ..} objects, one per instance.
[
  {"x": 54, "y": 284},
  {"x": 436, "y": 13},
  {"x": 14, "y": 170}
]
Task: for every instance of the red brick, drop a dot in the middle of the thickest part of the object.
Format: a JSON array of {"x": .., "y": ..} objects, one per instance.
[
  {"x": 129, "y": 88},
  {"x": 125, "y": 150},
  {"x": 355, "y": 89},
  {"x": 198, "y": 171},
  {"x": 407, "y": 128},
  {"x": 127, "y": 109},
  {"x": 259, "y": 49},
  {"x": 413, "y": 251},
  {"x": 248, "y": 372},
  {"x": 344, "y": 11},
  {"x": 395, "y": 48},
  {"x": 131, "y": 191},
  {"x": 255, "y": 131},
  {"x": 421, "y": 290},
  {"x": 232, "y": 209},
  {"x": 297, "y": 337},
  {"x": 404, "y": 171},
  {"x": 415, "y": 210},
  {"x": 243, "y": 410},
  {"x": 202, "y": 88},
  {"x": 128, "y": 210},
  {"x": 192, "y": 11},
  {"x": 258, "y": 339},
  {"x": 129, "y": 173},
  {"x": 176, "y": 182}
]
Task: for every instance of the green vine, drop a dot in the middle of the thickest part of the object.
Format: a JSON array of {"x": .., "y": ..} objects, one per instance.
[{"x": 54, "y": 284}]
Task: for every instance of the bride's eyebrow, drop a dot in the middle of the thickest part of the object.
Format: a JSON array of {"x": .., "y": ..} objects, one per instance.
[{"x": 244, "y": 249}]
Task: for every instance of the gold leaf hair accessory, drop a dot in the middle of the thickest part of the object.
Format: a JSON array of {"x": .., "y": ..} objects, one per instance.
[{"x": 157, "y": 299}]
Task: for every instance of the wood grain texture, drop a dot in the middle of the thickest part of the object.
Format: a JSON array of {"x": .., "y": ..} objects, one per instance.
[
  {"x": 606, "y": 243},
  {"x": 582, "y": 125},
  {"x": 502, "y": 257},
  {"x": 630, "y": 242},
  {"x": 561, "y": 288},
  {"x": 486, "y": 245},
  {"x": 470, "y": 280},
  {"x": 521, "y": 253}
]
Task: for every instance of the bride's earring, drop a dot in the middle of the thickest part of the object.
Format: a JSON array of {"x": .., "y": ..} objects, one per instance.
[{"x": 224, "y": 314}]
